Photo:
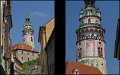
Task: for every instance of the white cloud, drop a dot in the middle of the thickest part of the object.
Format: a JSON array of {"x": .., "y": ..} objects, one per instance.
[{"x": 39, "y": 14}]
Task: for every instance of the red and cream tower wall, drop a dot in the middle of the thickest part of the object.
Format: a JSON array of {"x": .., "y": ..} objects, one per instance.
[
  {"x": 28, "y": 32},
  {"x": 90, "y": 38}
]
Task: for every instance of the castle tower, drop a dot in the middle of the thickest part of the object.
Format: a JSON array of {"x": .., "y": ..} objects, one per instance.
[
  {"x": 28, "y": 32},
  {"x": 90, "y": 38}
]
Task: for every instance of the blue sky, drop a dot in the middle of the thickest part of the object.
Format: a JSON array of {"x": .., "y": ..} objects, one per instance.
[
  {"x": 109, "y": 14},
  {"x": 40, "y": 12}
]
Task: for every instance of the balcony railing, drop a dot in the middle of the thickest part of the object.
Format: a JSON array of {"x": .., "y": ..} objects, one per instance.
[{"x": 89, "y": 24}]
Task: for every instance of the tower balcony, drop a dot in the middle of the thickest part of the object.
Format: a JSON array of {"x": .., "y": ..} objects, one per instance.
[
  {"x": 90, "y": 38},
  {"x": 85, "y": 16},
  {"x": 89, "y": 24}
]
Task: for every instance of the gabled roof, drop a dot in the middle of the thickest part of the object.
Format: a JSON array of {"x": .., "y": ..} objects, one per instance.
[
  {"x": 22, "y": 46},
  {"x": 82, "y": 69}
]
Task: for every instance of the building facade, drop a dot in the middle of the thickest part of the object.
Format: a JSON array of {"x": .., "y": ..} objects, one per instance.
[
  {"x": 90, "y": 38},
  {"x": 24, "y": 52},
  {"x": 5, "y": 41},
  {"x": 17, "y": 66},
  {"x": 43, "y": 55},
  {"x": 43, "y": 37},
  {"x": 50, "y": 51}
]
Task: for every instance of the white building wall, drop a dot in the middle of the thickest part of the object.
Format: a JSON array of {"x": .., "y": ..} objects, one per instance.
[
  {"x": 89, "y": 48},
  {"x": 28, "y": 39},
  {"x": 26, "y": 55}
]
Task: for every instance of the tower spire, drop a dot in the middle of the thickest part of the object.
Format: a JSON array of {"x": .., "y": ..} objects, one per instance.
[
  {"x": 28, "y": 32},
  {"x": 90, "y": 3},
  {"x": 27, "y": 18}
]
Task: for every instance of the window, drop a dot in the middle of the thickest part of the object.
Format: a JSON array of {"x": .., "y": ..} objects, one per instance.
[
  {"x": 76, "y": 72},
  {"x": 79, "y": 54},
  {"x": 92, "y": 64},
  {"x": 96, "y": 21},
  {"x": 88, "y": 13},
  {"x": 101, "y": 52},
  {"x": 22, "y": 58},
  {"x": 79, "y": 43},
  {"x": 100, "y": 43},
  {"x": 23, "y": 39},
  {"x": 89, "y": 20},
  {"x": 22, "y": 52},
  {"x": 31, "y": 39},
  {"x": 98, "y": 51},
  {"x": 81, "y": 21}
]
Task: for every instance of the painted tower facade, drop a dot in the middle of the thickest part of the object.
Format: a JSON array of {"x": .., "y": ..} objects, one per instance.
[
  {"x": 90, "y": 38},
  {"x": 28, "y": 32}
]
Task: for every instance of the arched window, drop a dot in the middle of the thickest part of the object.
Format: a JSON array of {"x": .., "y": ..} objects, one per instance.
[
  {"x": 89, "y": 20},
  {"x": 23, "y": 39},
  {"x": 79, "y": 43},
  {"x": 31, "y": 39},
  {"x": 98, "y": 51},
  {"x": 101, "y": 52},
  {"x": 22, "y": 51},
  {"x": 22, "y": 58},
  {"x": 79, "y": 54},
  {"x": 96, "y": 21},
  {"x": 81, "y": 21},
  {"x": 76, "y": 72}
]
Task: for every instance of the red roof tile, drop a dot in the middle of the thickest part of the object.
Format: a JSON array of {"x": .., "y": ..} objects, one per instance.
[
  {"x": 22, "y": 46},
  {"x": 82, "y": 69}
]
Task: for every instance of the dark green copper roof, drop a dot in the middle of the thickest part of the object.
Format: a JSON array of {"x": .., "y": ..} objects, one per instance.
[
  {"x": 93, "y": 10},
  {"x": 27, "y": 21}
]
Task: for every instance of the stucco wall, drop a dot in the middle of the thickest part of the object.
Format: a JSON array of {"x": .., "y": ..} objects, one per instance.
[
  {"x": 27, "y": 39},
  {"x": 90, "y": 48},
  {"x": 49, "y": 28},
  {"x": 26, "y": 55}
]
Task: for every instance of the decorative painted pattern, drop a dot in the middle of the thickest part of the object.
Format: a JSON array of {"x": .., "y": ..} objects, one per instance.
[{"x": 100, "y": 63}]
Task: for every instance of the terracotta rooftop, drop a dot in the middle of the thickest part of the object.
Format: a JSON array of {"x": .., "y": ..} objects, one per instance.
[
  {"x": 22, "y": 46},
  {"x": 82, "y": 69}
]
